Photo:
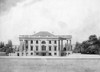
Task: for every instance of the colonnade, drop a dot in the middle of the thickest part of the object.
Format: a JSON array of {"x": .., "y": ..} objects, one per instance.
[{"x": 60, "y": 43}]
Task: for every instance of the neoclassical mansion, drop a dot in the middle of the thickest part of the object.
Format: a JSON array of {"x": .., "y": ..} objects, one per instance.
[{"x": 44, "y": 43}]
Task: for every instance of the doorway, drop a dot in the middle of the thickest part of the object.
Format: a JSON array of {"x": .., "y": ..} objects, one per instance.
[{"x": 43, "y": 54}]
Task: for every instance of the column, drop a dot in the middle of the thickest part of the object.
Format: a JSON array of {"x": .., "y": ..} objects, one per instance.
[
  {"x": 70, "y": 45},
  {"x": 40, "y": 47},
  {"x": 29, "y": 50},
  {"x": 47, "y": 48},
  {"x": 70, "y": 42},
  {"x": 67, "y": 45},
  {"x": 61, "y": 45},
  {"x": 67, "y": 42},
  {"x": 39, "y": 44},
  {"x": 21, "y": 46},
  {"x": 24, "y": 45}
]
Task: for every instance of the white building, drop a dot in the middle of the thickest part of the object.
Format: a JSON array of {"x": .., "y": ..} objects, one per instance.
[{"x": 44, "y": 44}]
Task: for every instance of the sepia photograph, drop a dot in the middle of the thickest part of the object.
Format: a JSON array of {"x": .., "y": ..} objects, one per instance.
[{"x": 49, "y": 35}]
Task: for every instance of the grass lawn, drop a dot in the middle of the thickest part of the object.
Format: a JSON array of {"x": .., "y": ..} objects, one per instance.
[{"x": 49, "y": 65}]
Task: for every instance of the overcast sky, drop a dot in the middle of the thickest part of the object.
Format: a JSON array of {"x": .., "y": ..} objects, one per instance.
[{"x": 79, "y": 18}]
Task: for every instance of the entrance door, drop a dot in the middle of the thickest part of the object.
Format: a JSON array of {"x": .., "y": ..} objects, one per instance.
[{"x": 43, "y": 54}]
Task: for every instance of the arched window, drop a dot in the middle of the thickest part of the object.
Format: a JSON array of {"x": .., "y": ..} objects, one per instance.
[
  {"x": 43, "y": 42},
  {"x": 43, "y": 47}
]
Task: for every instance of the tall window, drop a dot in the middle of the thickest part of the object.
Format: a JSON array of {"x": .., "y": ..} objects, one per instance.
[
  {"x": 49, "y": 42},
  {"x": 55, "y": 48},
  {"x": 55, "y": 42},
  {"x": 43, "y": 42},
  {"x": 36, "y": 48},
  {"x": 31, "y": 41},
  {"x": 49, "y": 48},
  {"x": 26, "y": 48},
  {"x": 43, "y": 48},
  {"x": 36, "y": 41},
  {"x": 31, "y": 48}
]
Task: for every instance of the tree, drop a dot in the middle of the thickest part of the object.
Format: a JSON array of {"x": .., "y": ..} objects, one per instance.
[
  {"x": 77, "y": 48},
  {"x": 1, "y": 44},
  {"x": 9, "y": 43},
  {"x": 6, "y": 48},
  {"x": 84, "y": 46},
  {"x": 90, "y": 46},
  {"x": 9, "y": 50},
  {"x": 93, "y": 39}
]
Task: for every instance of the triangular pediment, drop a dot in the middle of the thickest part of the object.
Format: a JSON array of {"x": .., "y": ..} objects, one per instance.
[{"x": 43, "y": 33}]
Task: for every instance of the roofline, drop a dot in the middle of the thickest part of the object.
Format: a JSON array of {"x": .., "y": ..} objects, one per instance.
[{"x": 45, "y": 37}]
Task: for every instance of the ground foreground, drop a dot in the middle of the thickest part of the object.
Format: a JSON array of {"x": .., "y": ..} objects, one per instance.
[{"x": 50, "y": 64}]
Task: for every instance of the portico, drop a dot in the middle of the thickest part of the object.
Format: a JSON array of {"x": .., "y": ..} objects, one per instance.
[{"x": 67, "y": 45}]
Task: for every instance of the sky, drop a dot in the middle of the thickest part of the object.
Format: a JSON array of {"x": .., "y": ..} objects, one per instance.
[{"x": 79, "y": 18}]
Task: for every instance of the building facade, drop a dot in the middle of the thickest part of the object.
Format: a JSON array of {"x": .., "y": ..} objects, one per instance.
[{"x": 44, "y": 44}]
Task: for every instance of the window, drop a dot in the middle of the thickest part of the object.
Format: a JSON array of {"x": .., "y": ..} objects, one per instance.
[
  {"x": 17, "y": 54},
  {"x": 31, "y": 48},
  {"x": 43, "y": 42},
  {"x": 55, "y": 48},
  {"x": 49, "y": 48},
  {"x": 49, "y": 42},
  {"x": 36, "y": 48},
  {"x": 55, "y": 42},
  {"x": 37, "y": 53},
  {"x": 43, "y": 47},
  {"x": 31, "y": 53},
  {"x": 31, "y": 41},
  {"x": 68, "y": 53},
  {"x": 36, "y": 41},
  {"x": 22, "y": 54},
  {"x": 55, "y": 53},
  {"x": 26, "y": 48},
  {"x": 64, "y": 49},
  {"x": 49, "y": 54}
]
